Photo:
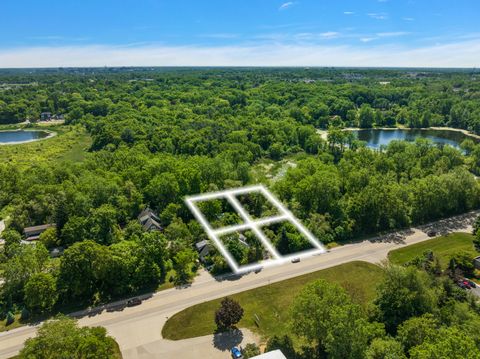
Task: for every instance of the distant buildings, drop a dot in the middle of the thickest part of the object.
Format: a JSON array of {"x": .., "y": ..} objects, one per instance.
[
  {"x": 33, "y": 233},
  {"x": 149, "y": 220},
  {"x": 45, "y": 116}
]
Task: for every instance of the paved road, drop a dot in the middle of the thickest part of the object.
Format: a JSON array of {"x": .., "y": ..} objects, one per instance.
[{"x": 138, "y": 329}]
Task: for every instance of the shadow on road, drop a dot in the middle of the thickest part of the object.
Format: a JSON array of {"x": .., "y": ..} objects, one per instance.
[
  {"x": 229, "y": 277},
  {"x": 227, "y": 340},
  {"x": 449, "y": 225}
]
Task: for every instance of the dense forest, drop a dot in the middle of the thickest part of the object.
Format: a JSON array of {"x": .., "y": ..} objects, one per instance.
[{"x": 160, "y": 134}]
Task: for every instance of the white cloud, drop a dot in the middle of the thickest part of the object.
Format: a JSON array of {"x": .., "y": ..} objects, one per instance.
[
  {"x": 408, "y": 18},
  {"x": 392, "y": 34},
  {"x": 368, "y": 39},
  {"x": 330, "y": 35},
  {"x": 348, "y": 13},
  {"x": 286, "y": 5},
  {"x": 378, "y": 15},
  {"x": 456, "y": 54}
]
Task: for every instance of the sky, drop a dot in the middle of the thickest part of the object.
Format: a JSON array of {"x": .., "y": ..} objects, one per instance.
[{"x": 387, "y": 33}]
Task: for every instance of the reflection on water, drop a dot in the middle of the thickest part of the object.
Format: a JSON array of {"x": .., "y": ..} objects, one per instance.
[
  {"x": 21, "y": 136},
  {"x": 377, "y": 137}
]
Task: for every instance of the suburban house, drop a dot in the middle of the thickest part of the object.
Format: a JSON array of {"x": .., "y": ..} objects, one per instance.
[
  {"x": 149, "y": 220},
  {"x": 203, "y": 249},
  {"x": 33, "y": 233}
]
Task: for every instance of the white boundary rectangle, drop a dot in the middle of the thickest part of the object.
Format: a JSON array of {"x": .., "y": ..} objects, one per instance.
[{"x": 255, "y": 225}]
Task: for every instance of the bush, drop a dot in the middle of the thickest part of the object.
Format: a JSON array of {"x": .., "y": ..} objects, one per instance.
[
  {"x": 10, "y": 318},
  {"x": 250, "y": 350}
]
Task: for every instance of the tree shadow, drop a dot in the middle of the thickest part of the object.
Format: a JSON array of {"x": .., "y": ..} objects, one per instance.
[
  {"x": 229, "y": 277},
  {"x": 397, "y": 237},
  {"x": 448, "y": 225},
  {"x": 227, "y": 340}
]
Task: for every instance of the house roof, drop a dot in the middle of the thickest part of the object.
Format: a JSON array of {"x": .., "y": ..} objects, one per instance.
[
  {"x": 30, "y": 231},
  {"x": 147, "y": 213},
  {"x": 274, "y": 354},
  {"x": 151, "y": 222},
  {"x": 200, "y": 245}
]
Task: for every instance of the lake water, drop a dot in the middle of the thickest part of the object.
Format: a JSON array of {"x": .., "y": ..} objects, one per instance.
[
  {"x": 377, "y": 137},
  {"x": 7, "y": 137}
]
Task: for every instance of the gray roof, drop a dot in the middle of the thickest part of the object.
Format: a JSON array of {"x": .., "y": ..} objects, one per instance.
[
  {"x": 149, "y": 223},
  {"x": 35, "y": 230},
  {"x": 200, "y": 245}
]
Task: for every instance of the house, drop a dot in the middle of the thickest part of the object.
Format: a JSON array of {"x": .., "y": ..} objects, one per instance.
[
  {"x": 203, "y": 249},
  {"x": 33, "y": 233},
  {"x": 476, "y": 262},
  {"x": 45, "y": 116},
  {"x": 274, "y": 354},
  {"x": 149, "y": 220}
]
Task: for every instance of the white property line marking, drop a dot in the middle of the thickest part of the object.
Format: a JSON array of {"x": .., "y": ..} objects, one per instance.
[{"x": 253, "y": 225}]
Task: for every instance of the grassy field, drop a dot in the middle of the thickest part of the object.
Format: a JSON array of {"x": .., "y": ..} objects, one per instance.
[
  {"x": 443, "y": 247},
  {"x": 69, "y": 144},
  {"x": 271, "y": 303}
]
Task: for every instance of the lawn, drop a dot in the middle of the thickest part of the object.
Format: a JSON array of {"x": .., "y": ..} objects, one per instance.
[
  {"x": 70, "y": 143},
  {"x": 443, "y": 247},
  {"x": 271, "y": 303}
]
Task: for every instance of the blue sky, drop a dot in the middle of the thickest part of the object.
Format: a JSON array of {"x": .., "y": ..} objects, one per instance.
[{"x": 247, "y": 32}]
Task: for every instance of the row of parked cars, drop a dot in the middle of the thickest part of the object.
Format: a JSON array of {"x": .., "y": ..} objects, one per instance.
[{"x": 466, "y": 283}]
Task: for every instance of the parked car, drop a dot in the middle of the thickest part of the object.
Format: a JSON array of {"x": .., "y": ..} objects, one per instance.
[
  {"x": 461, "y": 284},
  {"x": 466, "y": 284},
  {"x": 470, "y": 283},
  {"x": 133, "y": 302},
  {"x": 236, "y": 353},
  {"x": 431, "y": 233},
  {"x": 295, "y": 260}
]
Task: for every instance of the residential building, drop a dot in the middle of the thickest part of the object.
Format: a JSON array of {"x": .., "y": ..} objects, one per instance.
[
  {"x": 149, "y": 220},
  {"x": 33, "y": 233}
]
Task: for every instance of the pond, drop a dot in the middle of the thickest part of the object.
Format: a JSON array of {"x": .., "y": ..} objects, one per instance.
[
  {"x": 21, "y": 136},
  {"x": 378, "y": 137}
]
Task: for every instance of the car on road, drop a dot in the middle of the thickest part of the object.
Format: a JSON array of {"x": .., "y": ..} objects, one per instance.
[
  {"x": 431, "y": 233},
  {"x": 295, "y": 260},
  {"x": 461, "y": 284},
  {"x": 236, "y": 353},
  {"x": 133, "y": 302}
]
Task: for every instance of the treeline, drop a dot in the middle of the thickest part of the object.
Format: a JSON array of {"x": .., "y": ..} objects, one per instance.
[
  {"x": 370, "y": 191},
  {"x": 320, "y": 97},
  {"x": 171, "y": 134}
]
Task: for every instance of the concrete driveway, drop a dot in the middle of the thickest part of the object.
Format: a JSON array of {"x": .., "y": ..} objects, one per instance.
[{"x": 209, "y": 346}]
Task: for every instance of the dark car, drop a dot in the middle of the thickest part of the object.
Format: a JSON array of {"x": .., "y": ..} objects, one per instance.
[
  {"x": 466, "y": 284},
  {"x": 431, "y": 233},
  {"x": 133, "y": 302},
  {"x": 236, "y": 353},
  {"x": 470, "y": 283}
]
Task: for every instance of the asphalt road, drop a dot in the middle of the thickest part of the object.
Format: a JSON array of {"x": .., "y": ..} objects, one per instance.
[{"x": 138, "y": 329}]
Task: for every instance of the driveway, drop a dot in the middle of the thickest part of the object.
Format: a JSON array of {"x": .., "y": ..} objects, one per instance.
[{"x": 209, "y": 346}]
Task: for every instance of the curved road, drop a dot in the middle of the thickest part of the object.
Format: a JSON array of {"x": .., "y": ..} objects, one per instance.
[{"x": 138, "y": 329}]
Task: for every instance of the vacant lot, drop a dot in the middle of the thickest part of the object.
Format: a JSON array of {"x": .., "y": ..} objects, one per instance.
[
  {"x": 443, "y": 247},
  {"x": 271, "y": 303}
]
